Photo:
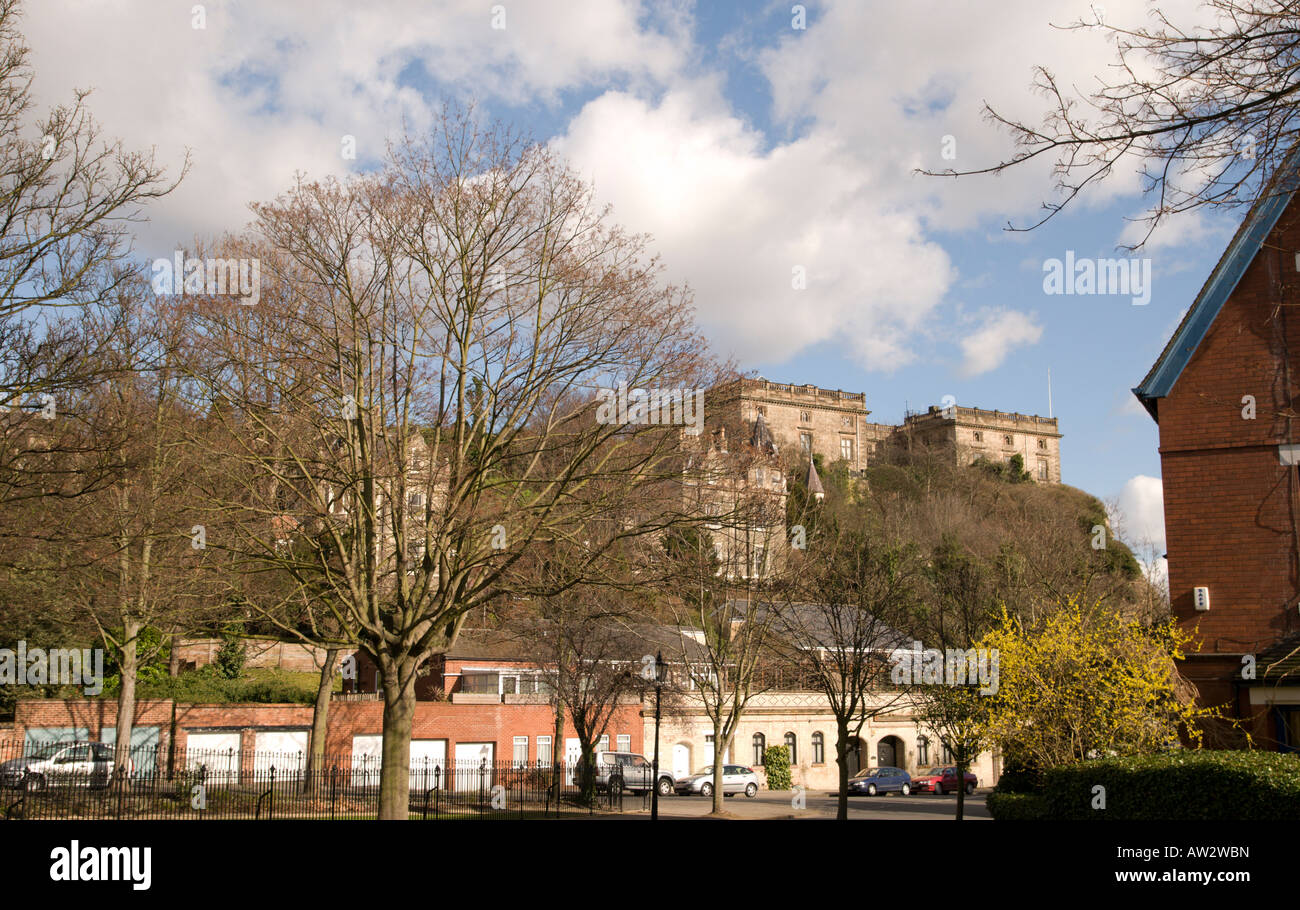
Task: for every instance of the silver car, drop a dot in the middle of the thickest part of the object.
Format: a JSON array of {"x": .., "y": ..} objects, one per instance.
[
  {"x": 735, "y": 779},
  {"x": 630, "y": 771}
]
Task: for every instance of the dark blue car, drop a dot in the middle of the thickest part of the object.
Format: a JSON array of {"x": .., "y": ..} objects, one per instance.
[{"x": 870, "y": 781}]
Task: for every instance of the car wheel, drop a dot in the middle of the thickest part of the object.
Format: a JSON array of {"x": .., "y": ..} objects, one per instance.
[
  {"x": 751, "y": 790},
  {"x": 871, "y": 789},
  {"x": 970, "y": 789},
  {"x": 33, "y": 783},
  {"x": 938, "y": 789},
  {"x": 665, "y": 786},
  {"x": 706, "y": 789},
  {"x": 907, "y": 789}
]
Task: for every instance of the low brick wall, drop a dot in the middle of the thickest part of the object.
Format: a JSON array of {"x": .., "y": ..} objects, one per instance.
[{"x": 263, "y": 655}]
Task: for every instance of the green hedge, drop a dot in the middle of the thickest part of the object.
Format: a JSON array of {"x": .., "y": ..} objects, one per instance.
[
  {"x": 1175, "y": 786},
  {"x": 776, "y": 763}
]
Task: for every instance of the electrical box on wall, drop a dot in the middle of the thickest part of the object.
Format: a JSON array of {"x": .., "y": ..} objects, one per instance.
[{"x": 1201, "y": 596}]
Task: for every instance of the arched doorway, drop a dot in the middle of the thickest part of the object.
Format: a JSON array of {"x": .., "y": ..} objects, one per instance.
[
  {"x": 855, "y": 757},
  {"x": 890, "y": 752}
]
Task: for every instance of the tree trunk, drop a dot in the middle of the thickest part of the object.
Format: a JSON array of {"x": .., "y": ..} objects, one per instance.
[
  {"x": 961, "y": 780},
  {"x": 719, "y": 755},
  {"x": 320, "y": 718},
  {"x": 587, "y": 771},
  {"x": 395, "y": 767},
  {"x": 556, "y": 755},
  {"x": 842, "y": 759},
  {"x": 174, "y": 659},
  {"x": 128, "y": 666}
]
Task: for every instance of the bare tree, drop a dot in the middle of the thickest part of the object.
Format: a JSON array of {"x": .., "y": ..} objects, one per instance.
[
  {"x": 413, "y": 400},
  {"x": 1208, "y": 109}
]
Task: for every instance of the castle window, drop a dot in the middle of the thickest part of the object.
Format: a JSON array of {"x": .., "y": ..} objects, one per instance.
[
  {"x": 1009, "y": 440},
  {"x": 762, "y": 410},
  {"x": 804, "y": 417},
  {"x": 846, "y": 421},
  {"x": 1042, "y": 469},
  {"x": 979, "y": 437},
  {"x": 805, "y": 443},
  {"x": 1042, "y": 443},
  {"x": 760, "y": 744},
  {"x": 819, "y": 749},
  {"x": 792, "y": 745},
  {"x": 846, "y": 449},
  {"x": 923, "y": 751}
]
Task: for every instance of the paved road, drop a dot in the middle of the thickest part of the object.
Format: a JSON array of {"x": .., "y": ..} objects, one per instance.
[{"x": 818, "y": 804}]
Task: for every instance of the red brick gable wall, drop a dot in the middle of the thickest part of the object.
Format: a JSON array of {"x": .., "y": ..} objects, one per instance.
[{"x": 1230, "y": 506}]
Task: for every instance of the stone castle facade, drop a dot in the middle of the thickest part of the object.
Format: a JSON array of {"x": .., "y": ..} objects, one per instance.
[{"x": 833, "y": 424}]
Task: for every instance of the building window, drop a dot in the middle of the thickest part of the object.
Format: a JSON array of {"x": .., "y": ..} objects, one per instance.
[
  {"x": 791, "y": 746},
  {"x": 979, "y": 437},
  {"x": 947, "y": 754},
  {"x": 805, "y": 417},
  {"x": 603, "y": 745},
  {"x": 1009, "y": 440},
  {"x": 760, "y": 745},
  {"x": 521, "y": 751},
  {"x": 762, "y": 410},
  {"x": 625, "y": 742},
  {"x": 1042, "y": 469},
  {"x": 819, "y": 749},
  {"x": 760, "y": 475},
  {"x": 1042, "y": 443},
  {"x": 923, "y": 751},
  {"x": 544, "y": 751},
  {"x": 846, "y": 449},
  {"x": 805, "y": 443}
]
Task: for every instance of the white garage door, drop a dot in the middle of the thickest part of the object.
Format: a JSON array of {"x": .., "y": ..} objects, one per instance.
[
  {"x": 284, "y": 750},
  {"x": 217, "y": 753},
  {"x": 427, "y": 757},
  {"x": 470, "y": 772},
  {"x": 367, "y": 753}
]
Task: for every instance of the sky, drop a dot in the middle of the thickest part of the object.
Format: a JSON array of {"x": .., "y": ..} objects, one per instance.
[{"x": 761, "y": 147}]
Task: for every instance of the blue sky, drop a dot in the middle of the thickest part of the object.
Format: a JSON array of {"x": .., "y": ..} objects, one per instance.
[{"x": 747, "y": 147}]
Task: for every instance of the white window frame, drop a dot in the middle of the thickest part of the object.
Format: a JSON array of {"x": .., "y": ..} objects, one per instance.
[
  {"x": 545, "y": 754},
  {"x": 515, "y": 744}
]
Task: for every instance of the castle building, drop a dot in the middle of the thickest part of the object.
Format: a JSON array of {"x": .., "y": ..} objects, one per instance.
[
  {"x": 997, "y": 436},
  {"x": 833, "y": 424}
]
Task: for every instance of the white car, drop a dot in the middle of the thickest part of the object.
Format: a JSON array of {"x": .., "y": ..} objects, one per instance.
[{"x": 735, "y": 779}]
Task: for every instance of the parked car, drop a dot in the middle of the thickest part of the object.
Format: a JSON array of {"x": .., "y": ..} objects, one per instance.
[
  {"x": 735, "y": 779},
  {"x": 871, "y": 781},
  {"x": 78, "y": 764},
  {"x": 942, "y": 780},
  {"x": 630, "y": 771}
]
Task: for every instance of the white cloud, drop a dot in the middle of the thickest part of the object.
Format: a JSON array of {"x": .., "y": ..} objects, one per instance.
[
  {"x": 1001, "y": 332},
  {"x": 1141, "y": 512}
]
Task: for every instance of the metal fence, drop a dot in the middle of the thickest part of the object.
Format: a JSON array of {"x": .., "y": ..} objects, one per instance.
[{"x": 60, "y": 782}]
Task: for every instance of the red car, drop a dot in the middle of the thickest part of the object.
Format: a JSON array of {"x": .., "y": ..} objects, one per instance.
[{"x": 941, "y": 781}]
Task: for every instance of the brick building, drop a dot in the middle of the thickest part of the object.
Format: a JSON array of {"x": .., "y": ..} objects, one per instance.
[{"x": 1223, "y": 392}]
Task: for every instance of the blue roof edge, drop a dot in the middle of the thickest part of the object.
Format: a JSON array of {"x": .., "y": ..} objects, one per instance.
[{"x": 1258, "y": 224}]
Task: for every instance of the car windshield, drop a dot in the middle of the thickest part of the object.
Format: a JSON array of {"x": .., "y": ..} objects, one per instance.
[
  {"x": 48, "y": 751},
  {"x": 708, "y": 770},
  {"x": 865, "y": 772}
]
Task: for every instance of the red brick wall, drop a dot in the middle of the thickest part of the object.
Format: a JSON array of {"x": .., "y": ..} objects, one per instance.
[
  {"x": 497, "y": 723},
  {"x": 1230, "y": 506}
]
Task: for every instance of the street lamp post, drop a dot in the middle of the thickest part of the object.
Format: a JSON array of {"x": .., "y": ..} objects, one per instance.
[{"x": 659, "y": 684}]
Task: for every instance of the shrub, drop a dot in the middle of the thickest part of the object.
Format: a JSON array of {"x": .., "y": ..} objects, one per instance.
[
  {"x": 230, "y": 658},
  {"x": 1183, "y": 785},
  {"x": 776, "y": 762},
  {"x": 1016, "y": 807}
]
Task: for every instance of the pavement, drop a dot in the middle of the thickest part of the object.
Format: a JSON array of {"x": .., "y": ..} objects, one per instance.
[{"x": 770, "y": 804}]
